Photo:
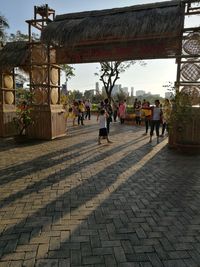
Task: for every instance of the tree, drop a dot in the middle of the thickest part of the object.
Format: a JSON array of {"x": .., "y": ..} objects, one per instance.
[
  {"x": 23, "y": 117},
  {"x": 121, "y": 95},
  {"x": 19, "y": 36},
  {"x": 75, "y": 95},
  {"x": 3, "y": 25},
  {"x": 88, "y": 94},
  {"x": 110, "y": 71},
  {"x": 69, "y": 72}
]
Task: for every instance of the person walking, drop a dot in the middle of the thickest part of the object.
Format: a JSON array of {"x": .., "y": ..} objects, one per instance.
[
  {"x": 74, "y": 112},
  {"x": 81, "y": 110},
  {"x": 138, "y": 113},
  {"x": 155, "y": 120},
  {"x": 115, "y": 108},
  {"x": 108, "y": 109},
  {"x": 103, "y": 133},
  {"x": 167, "y": 109},
  {"x": 88, "y": 107},
  {"x": 147, "y": 115},
  {"x": 122, "y": 111}
]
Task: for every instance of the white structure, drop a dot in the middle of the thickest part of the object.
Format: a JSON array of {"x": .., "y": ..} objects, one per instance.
[
  {"x": 116, "y": 89},
  {"x": 140, "y": 92},
  {"x": 125, "y": 90}
]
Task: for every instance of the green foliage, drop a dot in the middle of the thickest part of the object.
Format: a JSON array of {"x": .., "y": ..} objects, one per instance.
[
  {"x": 109, "y": 73},
  {"x": 182, "y": 107},
  {"x": 94, "y": 107},
  {"x": 181, "y": 103},
  {"x": 96, "y": 99},
  {"x": 68, "y": 70},
  {"x": 88, "y": 94},
  {"x": 64, "y": 99},
  {"x": 75, "y": 95},
  {"x": 129, "y": 109},
  {"x": 3, "y": 25},
  {"x": 23, "y": 117},
  {"x": 121, "y": 96},
  {"x": 19, "y": 36},
  {"x": 182, "y": 114}
]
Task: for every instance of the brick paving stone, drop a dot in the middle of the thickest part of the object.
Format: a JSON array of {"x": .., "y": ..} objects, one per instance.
[
  {"x": 70, "y": 202},
  {"x": 93, "y": 260},
  {"x": 64, "y": 263},
  {"x": 75, "y": 257},
  {"x": 179, "y": 254},
  {"x": 190, "y": 263},
  {"x": 146, "y": 264},
  {"x": 16, "y": 263},
  {"x": 110, "y": 261},
  {"x": 102, "y": 251},
  {"x": 29, "y": 263},
  {"x": 46, "y": 263},
  {"x": 127, "y": 247},
  {"x": 154, "y": 259},
  {"x": 174, "y": 263},
  {"x": 143, "y": 249},
  {"x": 119, "y": 254},
  {"x": 128, "y": 264},
  {"x": 137, "y": 257}
]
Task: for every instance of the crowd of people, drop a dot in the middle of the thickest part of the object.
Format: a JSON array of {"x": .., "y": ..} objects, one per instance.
[
  {"x": 79, "y": 111},
  {"x": 153, "y": 116}
]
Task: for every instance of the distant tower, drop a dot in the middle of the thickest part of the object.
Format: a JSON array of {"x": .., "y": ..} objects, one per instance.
[
  {"x": 132, "y": 91},
  {"x": 97, "y": 87}
]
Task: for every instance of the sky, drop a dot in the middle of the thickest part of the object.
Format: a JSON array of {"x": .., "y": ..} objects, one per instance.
[{"x": 150, "y": 78}]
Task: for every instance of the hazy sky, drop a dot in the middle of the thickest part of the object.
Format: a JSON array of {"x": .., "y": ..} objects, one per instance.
[{"x": 149, "y": 78}]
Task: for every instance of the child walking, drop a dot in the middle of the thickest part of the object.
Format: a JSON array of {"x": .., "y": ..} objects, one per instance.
[{"x": 102, "y": 126}]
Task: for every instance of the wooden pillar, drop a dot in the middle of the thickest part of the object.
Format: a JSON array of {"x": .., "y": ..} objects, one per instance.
[
  {"x": 7, "y": 103},
  {"x": 47, "y": 113}
]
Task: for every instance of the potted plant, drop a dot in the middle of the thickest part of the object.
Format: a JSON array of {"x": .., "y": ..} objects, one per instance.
[
  {"x": 23, "y": 117},
  {"x": 184, "y": 125}
]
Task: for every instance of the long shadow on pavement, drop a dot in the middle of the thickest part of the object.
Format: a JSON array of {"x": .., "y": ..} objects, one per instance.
[
  {"x": 100, "y": 181},
  {"x": 151, "y": 219},
  {"x": 50, "y": 180}
]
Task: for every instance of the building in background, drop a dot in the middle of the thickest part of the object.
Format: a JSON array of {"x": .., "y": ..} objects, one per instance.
[
  {"x": 140, "y": 92},
  {"x": 97, "y": 88},
  {"x": 125, "y": 90},
  {"x": 132, "y": 91},
  {"x": 116, "y": 89}
]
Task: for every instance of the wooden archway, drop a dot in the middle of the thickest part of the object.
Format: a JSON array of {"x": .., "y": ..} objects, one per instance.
[{"x": 138, "y": 32}]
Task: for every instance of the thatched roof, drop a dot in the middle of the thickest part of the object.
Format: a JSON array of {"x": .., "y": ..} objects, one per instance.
[
  {"x": 129, "y": 23},
  {"x": 135, "y": 32},
  {"x": 14, "y": 54}
]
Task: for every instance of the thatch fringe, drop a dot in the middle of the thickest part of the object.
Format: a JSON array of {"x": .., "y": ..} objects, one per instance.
[
  {"x": 145, "y": 21},
  {"x": 14, "y": 54},
  {"x": 113, "y": 11}
]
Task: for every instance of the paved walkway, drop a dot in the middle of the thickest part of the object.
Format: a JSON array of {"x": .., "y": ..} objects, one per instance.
[{"x": 70, "y": 202}]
